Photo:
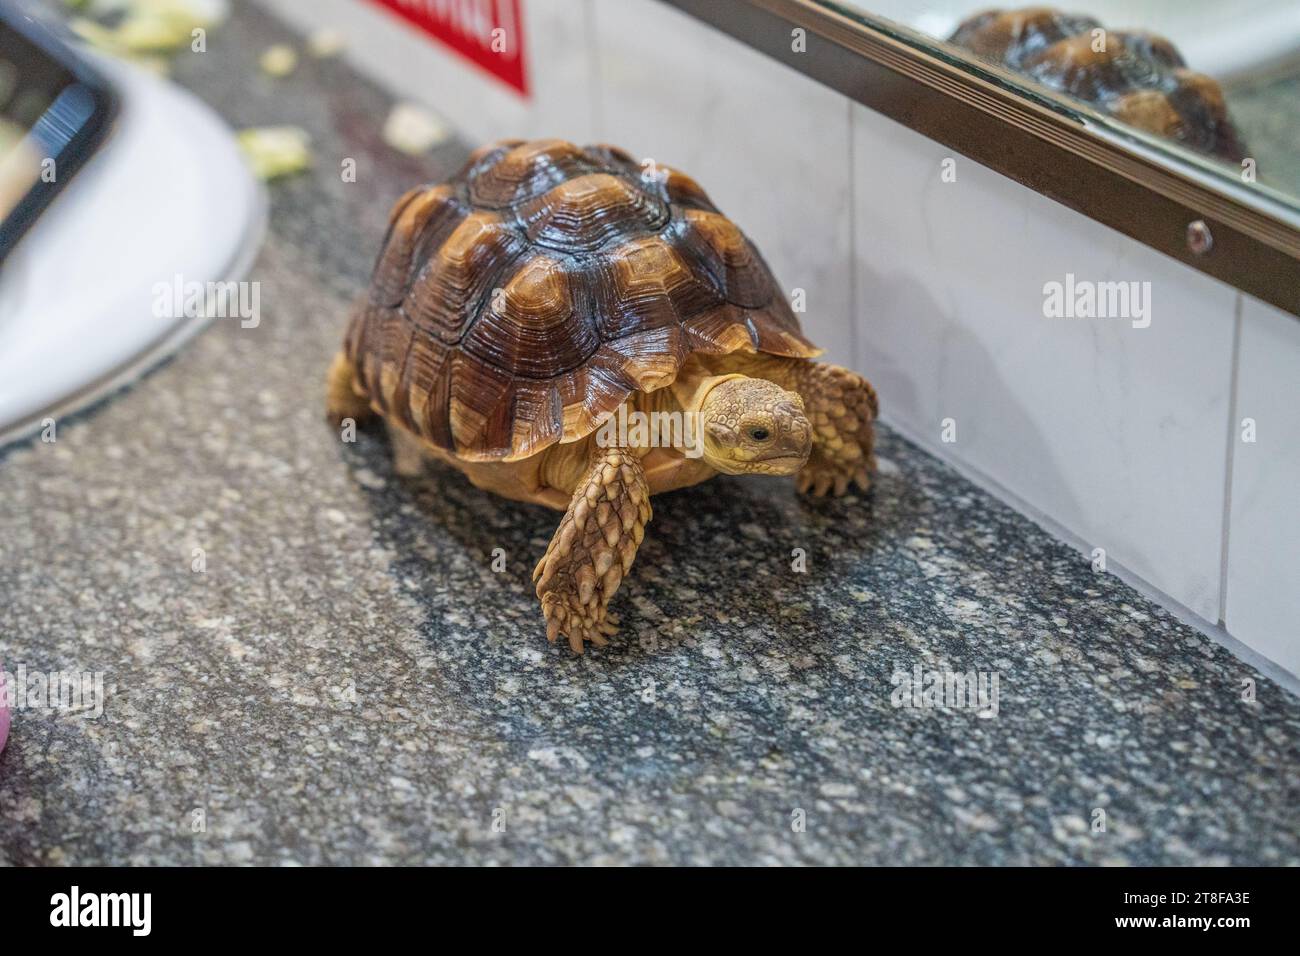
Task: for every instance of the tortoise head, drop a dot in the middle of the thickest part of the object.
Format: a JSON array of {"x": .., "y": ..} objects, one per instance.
[{"x": 754, "y": 427}]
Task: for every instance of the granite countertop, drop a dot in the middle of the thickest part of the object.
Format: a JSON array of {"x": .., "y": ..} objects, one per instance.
[{"x": 349, "y": 681}]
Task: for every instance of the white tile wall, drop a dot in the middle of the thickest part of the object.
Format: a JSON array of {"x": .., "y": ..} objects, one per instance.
[
  {"x": 415, "y": 66},
  {"x": 1118, "y": 433},
  {"x": 769, "y": 146},
  {"x": 935, "y": 290},
  {"x": 1263, "y": 574}
]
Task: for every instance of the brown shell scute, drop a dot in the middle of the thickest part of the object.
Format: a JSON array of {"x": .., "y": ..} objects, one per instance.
[
  {"x": 419, "y": 217},
  {"x": 523, "y": 172},
  {"x": 584, "y": 213},
  {"x": 448, "y": 294},
  {"x": 535, "y": 327},
  {"x": 517, "y": 303},
  {"x": 647, "y": 284}
]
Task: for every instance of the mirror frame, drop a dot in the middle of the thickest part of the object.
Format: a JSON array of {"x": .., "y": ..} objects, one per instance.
[{"x": 1121, "y": 178}]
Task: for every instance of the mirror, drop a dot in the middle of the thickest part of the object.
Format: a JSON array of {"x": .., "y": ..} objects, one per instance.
[{"x": 1213, "y": 84}]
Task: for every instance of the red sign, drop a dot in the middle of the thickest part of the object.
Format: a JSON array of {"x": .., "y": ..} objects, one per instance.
[{"x": 488, "y": 33}]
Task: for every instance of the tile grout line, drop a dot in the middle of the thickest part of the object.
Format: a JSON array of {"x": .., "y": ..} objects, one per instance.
[
  {"x": 854, "y": 345},
  {"x": 1225, "y": 525},
  {"x": 593, "y": 70}
]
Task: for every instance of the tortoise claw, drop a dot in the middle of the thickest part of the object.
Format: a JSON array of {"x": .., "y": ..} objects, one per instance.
[
  {"x": 579, "y": 623},
  {"x": 823, "y": 480}
]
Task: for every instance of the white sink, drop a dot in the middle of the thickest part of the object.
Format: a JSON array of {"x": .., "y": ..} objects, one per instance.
[{"x": 167, "y": 195}]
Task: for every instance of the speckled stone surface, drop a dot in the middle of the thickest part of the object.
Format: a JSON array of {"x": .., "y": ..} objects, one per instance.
[{"x": 349, "y": 681}]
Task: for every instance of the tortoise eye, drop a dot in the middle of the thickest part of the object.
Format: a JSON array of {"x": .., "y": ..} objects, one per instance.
[{"x": 758, "y": 434}]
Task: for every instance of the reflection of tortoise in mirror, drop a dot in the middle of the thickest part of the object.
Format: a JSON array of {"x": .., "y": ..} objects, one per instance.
[
  {"x": 1139, "y": 78},
  {"x": 546, "y": 287}
]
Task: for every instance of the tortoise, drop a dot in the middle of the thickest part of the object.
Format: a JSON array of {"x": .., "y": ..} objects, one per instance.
[
  {"x": 1137, "y": 77},
  {"x": 521, "y": 314}
]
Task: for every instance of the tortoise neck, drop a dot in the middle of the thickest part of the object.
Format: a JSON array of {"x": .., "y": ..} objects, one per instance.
[{"x": 691, "y": 395}]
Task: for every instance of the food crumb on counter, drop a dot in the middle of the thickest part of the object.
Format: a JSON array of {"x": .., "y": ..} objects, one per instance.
[
  {"x": 275, "y": 151},
  {"x": 325, "y": 43},
  {"x": 279, "y": 60},
  {"x": 413, "y": 130}
]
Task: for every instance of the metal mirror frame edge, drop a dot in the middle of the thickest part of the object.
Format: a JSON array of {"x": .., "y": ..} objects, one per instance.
[{"x": 1254, "y": 247}]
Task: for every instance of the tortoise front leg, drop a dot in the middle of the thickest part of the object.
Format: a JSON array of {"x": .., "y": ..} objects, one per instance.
[
  {"x": 841, "y": 405},
  {"x": 593, "y": 548}
]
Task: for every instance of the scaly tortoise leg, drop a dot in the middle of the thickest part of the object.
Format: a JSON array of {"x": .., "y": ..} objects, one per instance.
[
  {"x": 593, "y": 548},
  {"x": 842, "y": 407},
  {"x": 342, "y": 397}
]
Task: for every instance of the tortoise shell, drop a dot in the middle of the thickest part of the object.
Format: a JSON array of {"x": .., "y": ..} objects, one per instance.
[
  {"x": 1139, "y": 78},
  {"x": 517, "y": 303}
]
